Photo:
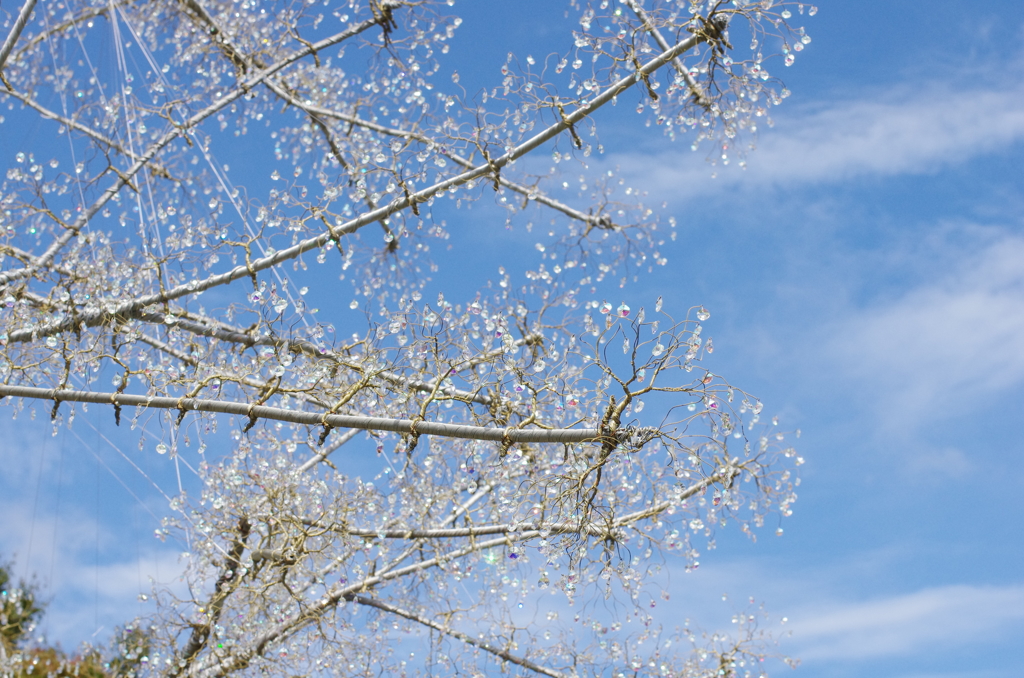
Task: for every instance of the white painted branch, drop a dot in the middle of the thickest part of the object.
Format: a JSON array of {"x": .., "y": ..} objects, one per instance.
[
  {"x": 695, "y": 88},
  {"x": 132, "y": 308},
  {"x": 218, "y": 666},
  {"x": 532, "y": 528},
  {"x": 724, "y": 476},
  {"x": 176, "y": 130},
  {"x": 511, "y": 434},
  {"x": 328, "y": 449},
  {"x": 51, "y": 30},
  {"x": 320, "y": 111},
  {"x": 234, "y": 335},
  {"x": 449, "y": 533},
  {"x": 48, "y": 114},
  {"x": 458, "y": 635},
  {"x": 16, "y": 29},
  {"x": 308, "y": 348}
]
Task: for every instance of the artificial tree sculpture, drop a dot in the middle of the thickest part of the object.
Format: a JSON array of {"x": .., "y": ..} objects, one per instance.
[{"x": 141, "y": 276}]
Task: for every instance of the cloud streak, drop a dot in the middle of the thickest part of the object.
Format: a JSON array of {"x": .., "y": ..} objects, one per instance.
[
  {"x": 906, "y": 624},
  {"x": 904, "y": 131},
  {"x": 941, "y": 345},
  {"x": 90, "y": 574}
]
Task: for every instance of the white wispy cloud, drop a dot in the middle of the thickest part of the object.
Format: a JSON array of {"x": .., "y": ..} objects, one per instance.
[
  {"x": 903, "y": 625},
  {"x": 827, "y": 622},
  {"x": 90, "y": 574},
  {"x": 949, "y": 343},
  {"x": 912, "y": 129}
]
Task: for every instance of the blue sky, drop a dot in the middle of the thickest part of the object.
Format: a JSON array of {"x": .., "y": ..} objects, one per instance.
[{"x": 865, "y": 276}]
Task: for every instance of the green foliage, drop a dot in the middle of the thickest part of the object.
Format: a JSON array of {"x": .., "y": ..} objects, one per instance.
[
  {"x": 132, "y": 652},
  {"x": 20, "y": 609},
  {"x": 53, "y": 663}
]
